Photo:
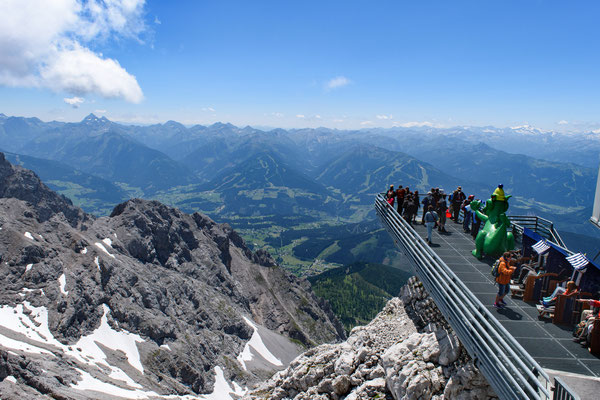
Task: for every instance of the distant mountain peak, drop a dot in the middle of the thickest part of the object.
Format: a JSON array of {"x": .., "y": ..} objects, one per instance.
[
  {"x": 222, "y": 125},
  {"x": 171, "y": 123},
  {"x": 526, "y": 129},
  {"x": 93, "y": 119},
  {"x": 90, "y": 117}
]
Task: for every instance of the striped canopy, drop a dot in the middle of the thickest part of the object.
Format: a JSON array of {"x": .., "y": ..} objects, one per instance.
[
  {"x": 578, "y": 261},
  {"x": 541, "y": 247}
]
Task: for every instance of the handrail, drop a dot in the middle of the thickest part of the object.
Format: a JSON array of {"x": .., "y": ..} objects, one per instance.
[
  {"x": 537, "y": 224},
  {"x": 509, "y": 369},
  {"x": 562, "y": 391}
]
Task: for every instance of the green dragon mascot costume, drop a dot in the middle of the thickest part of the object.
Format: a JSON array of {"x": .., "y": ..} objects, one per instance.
[{"x": 494, "y": 238}]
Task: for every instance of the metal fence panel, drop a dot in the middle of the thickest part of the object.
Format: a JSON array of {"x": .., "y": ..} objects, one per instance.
[{"x": 562, "y": 391}]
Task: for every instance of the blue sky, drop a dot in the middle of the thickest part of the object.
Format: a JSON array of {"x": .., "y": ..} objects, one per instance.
[{"x": 298, "y": 64}]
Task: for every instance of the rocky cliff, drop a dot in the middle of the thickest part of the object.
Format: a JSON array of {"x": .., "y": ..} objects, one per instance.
[
  {"x": 407, "y": 352},
  {"x": 147, "y": 302}
]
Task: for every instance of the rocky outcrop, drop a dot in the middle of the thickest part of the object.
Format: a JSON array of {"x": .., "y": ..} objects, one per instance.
[
  {"x": 150, "y": 300},
  {"x": 407, "y": 352},
  {"x": 23, "y": 184}
]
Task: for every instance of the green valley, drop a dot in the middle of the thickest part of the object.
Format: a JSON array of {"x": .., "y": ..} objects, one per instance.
[{"x": 357, "y": 292}]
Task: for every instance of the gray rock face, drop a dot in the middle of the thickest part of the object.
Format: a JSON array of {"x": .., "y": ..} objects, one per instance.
[
  {"x": 23, "y": 184},
  {"x": 407, "y": 352},
  {"x": 179, "y": 284}
]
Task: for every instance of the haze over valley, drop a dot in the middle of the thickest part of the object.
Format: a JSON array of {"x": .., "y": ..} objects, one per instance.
[{"x": 295, "y": 192}]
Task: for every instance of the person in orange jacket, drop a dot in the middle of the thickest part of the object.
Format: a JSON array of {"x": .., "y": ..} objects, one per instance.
[{"x": 505, "y": 271}]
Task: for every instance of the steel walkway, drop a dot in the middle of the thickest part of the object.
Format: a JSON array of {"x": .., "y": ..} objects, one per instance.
[{"x": 550, "y": 345}]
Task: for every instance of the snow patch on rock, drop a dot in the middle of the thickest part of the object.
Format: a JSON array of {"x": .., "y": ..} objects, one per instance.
[
  {"x": 101, "y": 247},
  {"x": 62, "y": 281},
  {"x": 88, "y": 382},
  {"x": 256, "y": 343},
  {"x": 115, "y": 340}
]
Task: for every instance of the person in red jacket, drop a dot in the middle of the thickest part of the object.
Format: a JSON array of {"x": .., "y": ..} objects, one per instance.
[
  {"x": 400, "y": 199},
  {"x": 505, "y": 271}
]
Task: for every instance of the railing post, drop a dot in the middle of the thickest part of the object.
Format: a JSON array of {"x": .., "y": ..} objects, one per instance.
[{"x": 562, "y": 391}]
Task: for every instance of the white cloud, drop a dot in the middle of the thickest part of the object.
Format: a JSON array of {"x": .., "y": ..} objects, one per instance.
[
  {"x": 74, "y": 101},
  {"x": 46, "y": 44},
  {"x": 277, "y": 114},
  {"x": 366, "y": 123},
  {"x": 317, "y": 116},
  {"x": 157, "y": 21},
  {"x": 563, "y": 122},
  {"x": 208, "y": 109},
  {"x": 99, "y": 111},
  {"x": 338, "y": 120},
  {"x": 337, "y": 82},
  {"x": 81, "y": 71},
  {"x": 300, "y": 116},
  {"x": 384, "y": 116}
]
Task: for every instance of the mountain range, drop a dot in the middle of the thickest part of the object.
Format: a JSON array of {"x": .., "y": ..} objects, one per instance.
[
  {"x": 153, "y": 303},
  {"x": 144, "y": 302},
  {"x": 317, "y": 176}
]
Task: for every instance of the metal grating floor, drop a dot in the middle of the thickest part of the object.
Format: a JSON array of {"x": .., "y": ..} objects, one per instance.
[{"x": 549, "y": 344}]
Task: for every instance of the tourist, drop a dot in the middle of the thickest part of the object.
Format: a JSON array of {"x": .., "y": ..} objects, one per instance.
[
  {"x": 417, "y": 205},
  {"x": 390, "y": 195},
  {"x": 505, "y": 271},
  {"x": 475, "y": 223},
  {"x": 442, "y": 206},
  {"x": 467, "y": 214},
  {"x": 457, "y": 199},
  {"x": 583, "y": 331},
  {"x": 427, "y": 201},
  {"x": 436, "y": 196},
  {"x": 430, "y": 218},
  {"x": 400, "y": 198},
  {"x": 411, "y": 209},
  {"x": 551, "y": 300}
]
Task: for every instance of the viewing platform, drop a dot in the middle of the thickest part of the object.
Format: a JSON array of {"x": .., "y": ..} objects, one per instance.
[
  {"x": 549, "y": 344},
  {"x": 521, "y": 355}
]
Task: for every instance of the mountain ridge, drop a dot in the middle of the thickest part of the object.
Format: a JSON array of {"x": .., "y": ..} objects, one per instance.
[{"x": 180, "y": 286}]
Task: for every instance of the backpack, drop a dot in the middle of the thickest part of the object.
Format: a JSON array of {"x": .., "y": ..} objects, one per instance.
[
  {"x": 430, "y": 217},
  {"x": 495, "y": 266}
]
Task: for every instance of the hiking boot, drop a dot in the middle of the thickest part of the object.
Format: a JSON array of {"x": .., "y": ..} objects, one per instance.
[
  {"x": 498, "y": 305},
  {"x": 502, "y": 302}
]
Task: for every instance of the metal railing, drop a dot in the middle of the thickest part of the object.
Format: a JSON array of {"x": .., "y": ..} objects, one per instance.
[
  {"x": 509, "y": 369},
  {"x": 562, "y": 391},
  {"x": 539, "y": 225}
]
